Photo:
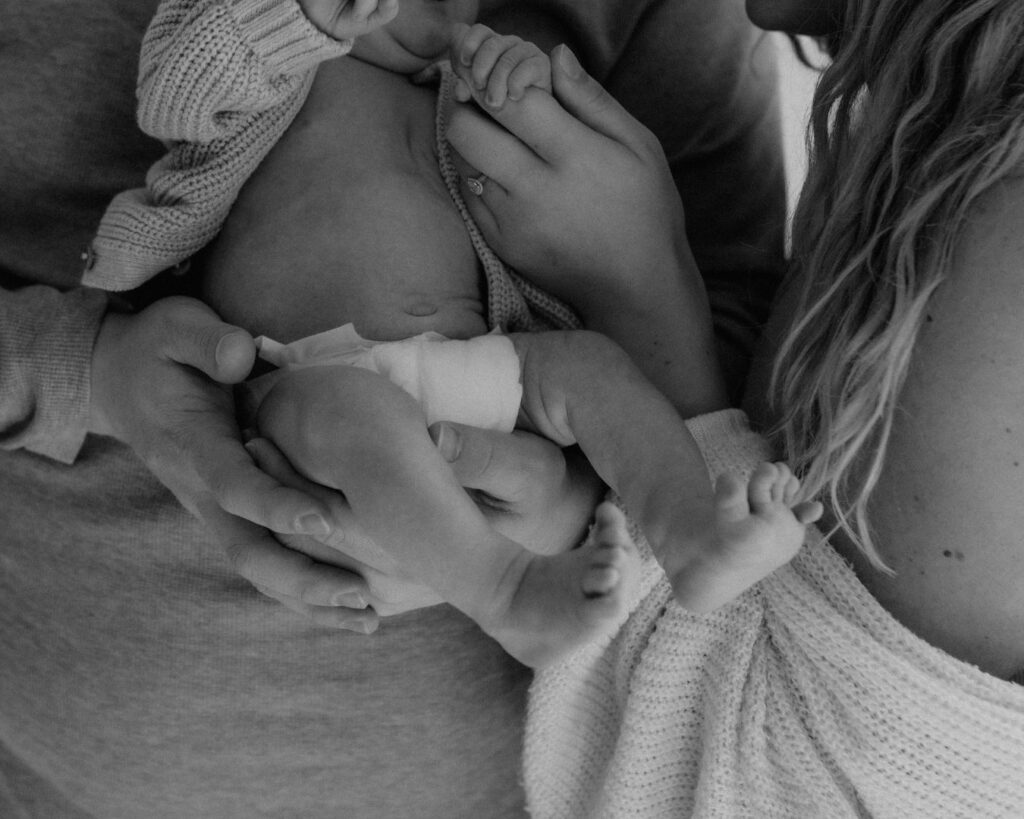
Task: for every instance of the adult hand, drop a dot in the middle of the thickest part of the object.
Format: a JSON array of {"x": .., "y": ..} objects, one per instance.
[
  {"x": 161, "y": 384},
  {"x": 530, "y": 489},
  {"x": 579, "y": 198},
  {"x": 527, "y": 487},
  {"x": 578, "y": 194}
]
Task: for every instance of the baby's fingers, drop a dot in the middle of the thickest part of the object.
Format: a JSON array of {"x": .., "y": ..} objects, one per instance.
[
  {"x": 514, "y": 67},
  {"x": 532, "y": 71}
]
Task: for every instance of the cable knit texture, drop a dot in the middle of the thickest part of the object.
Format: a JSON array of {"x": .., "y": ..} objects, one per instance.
[
  {"x": 220, "y": 82},
  {"x": 803, "y": 698}
]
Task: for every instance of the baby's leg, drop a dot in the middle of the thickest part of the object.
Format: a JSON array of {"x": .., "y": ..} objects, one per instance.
[
  {"x": 356, "y": 431},
  {"x": 561, "y": 603},
  {"x": 754, "y": 530}
]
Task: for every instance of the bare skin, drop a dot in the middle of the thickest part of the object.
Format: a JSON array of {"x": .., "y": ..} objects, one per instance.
[
  {"x": 949, "y": 509},
  {"x": 352, "y": 429},
  {"x": 383, "y": 247}
]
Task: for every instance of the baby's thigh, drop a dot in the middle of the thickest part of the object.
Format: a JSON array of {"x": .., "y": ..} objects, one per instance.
[{"x": 339, "y": 425}]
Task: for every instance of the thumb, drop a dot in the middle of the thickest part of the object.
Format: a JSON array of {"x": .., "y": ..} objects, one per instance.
[
  {"x": 195, "y": 336},
  {"x": 500, "y": 463},
  {"x": 587, "y": 100}
]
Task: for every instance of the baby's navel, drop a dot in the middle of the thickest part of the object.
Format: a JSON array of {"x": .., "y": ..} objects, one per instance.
[{"x": 422, "y": 308}]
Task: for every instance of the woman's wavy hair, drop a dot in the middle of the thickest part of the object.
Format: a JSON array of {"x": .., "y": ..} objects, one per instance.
[{"x": 920, "y": 112}]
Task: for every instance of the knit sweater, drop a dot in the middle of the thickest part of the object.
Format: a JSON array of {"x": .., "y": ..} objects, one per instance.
[
  {"x": 803, "y": 698},
  {"x": 221, "y": 82}
]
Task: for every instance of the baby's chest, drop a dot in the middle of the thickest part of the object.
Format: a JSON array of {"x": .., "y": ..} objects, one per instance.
[{"x": 357, "y": 175}]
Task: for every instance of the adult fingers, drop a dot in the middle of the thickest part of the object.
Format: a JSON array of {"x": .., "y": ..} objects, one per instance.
[
  {"x": 540, "y": 123},
  {"x": 483, "y": 195},
  {"x": 361, "y": 621},
  {"x": 229, "y": 475},
  {"x": 272, "y": 461},
  {"x": 194, "y": 335},
  {"x": 505, "y": 465},
  {"x": 487, "y": 146},
  {"x": 255, "y": 555},
  {"x": 590, "y": 103}
]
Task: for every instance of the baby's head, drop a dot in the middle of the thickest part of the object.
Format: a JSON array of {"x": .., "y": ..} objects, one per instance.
[{"x": 417, "y": 37}]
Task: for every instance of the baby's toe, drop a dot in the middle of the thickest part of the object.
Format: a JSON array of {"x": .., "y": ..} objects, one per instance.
[
  {"x": 731, "y": 497},
  {"x": 599, "y": 580},
  {"x": 763, "y": 486}
]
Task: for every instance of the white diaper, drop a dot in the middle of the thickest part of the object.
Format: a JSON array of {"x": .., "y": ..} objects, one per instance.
[{"x": 474, "y": 382}]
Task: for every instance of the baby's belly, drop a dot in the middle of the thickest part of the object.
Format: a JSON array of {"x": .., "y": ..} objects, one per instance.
[{"x": 348, "y": 220}]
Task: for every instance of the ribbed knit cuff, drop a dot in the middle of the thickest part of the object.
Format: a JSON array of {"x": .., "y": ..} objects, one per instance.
[
  {"x": 281, "y": 34},
  {"x": 54, "y": 371},
  {"x": 727, "y": 442}
]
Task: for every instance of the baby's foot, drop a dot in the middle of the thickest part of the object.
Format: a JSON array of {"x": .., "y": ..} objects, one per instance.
[
  {"x": 755, "y": 530},
  {"x": 563, "y": 602}
]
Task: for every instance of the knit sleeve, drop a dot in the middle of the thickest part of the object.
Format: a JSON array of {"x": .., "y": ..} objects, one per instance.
[
  {"x": 205, "y": 64},
  {"x": 46, "y": 341},
  {"x": 221, "y": 81}
]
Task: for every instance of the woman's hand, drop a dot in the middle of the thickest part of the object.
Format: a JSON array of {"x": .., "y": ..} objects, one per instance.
[
  {"x": 161, "y": 384},
  {"x": 578, "y": 196},
  {"x": 527, "y": 487}
]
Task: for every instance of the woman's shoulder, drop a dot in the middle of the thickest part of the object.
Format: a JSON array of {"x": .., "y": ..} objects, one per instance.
[{"x": 949, "y": 509}]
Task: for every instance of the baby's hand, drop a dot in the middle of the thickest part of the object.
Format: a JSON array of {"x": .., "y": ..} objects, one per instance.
[
  {"x": 493, "y": 68},
  {"x": 348, "y": 19}
]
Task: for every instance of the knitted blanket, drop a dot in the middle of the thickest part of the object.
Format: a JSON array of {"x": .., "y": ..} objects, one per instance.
[{"x": 803, "y": 698}]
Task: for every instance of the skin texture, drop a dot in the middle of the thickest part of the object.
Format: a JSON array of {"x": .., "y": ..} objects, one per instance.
[
  {"x": 810, "y": 17},
  {"x": 947, "y": 513}
]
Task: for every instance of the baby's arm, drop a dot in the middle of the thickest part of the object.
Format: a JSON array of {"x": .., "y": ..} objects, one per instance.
[
  {"x": 579, "y": 387},
  {"x": 494, "y": 68}
]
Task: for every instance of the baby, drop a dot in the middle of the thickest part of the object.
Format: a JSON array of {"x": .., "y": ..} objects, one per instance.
[{"x": 384, "y": 244}]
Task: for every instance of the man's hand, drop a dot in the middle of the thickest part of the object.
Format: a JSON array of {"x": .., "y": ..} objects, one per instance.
[
  {"x": 528, "y": 488},
  {"x": 161, "y": 384}
]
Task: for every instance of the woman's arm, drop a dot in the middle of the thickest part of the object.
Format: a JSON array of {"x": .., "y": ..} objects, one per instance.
[{"x": 948, "y": 512}]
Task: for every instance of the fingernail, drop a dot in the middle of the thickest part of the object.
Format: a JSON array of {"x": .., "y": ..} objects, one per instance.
[
  {"x": 349, "y": 599},
  {"x": 447, "y": 441},
  {"x": 567, "y": 60},
  {"x": 312, "y": 523},
  {"x": 231, "y": 349}
]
